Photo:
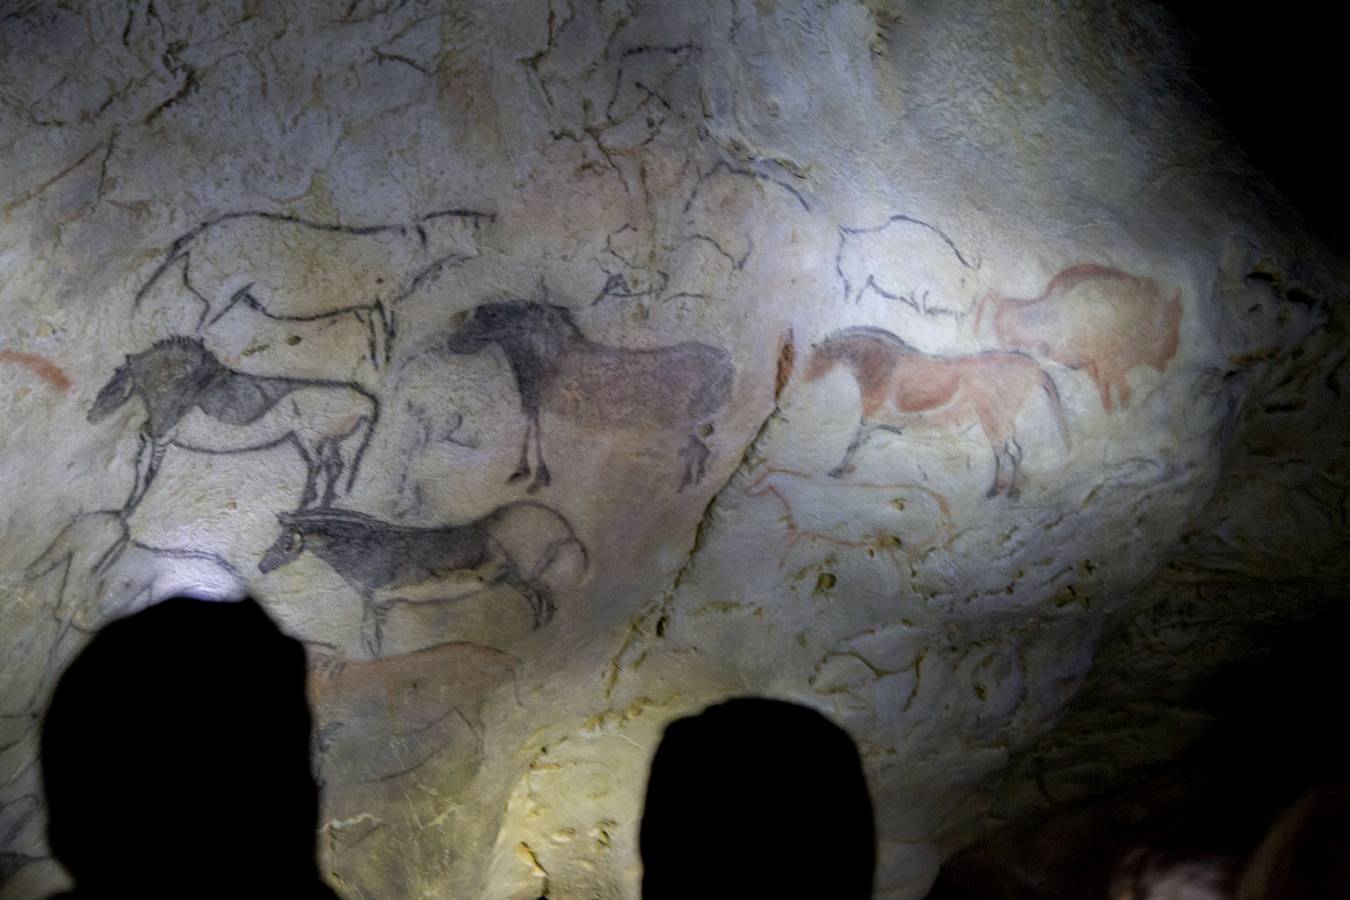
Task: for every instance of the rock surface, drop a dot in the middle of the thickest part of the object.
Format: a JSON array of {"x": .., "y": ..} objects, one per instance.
[{"x": 556, "y": 369}]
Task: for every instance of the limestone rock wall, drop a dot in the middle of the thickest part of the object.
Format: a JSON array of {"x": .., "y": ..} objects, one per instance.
[{"x": 592, "y": 362}]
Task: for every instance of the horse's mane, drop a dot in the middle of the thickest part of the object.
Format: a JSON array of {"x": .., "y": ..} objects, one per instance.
[
  {"x": 869, "y": 331},
  {"x": 181, "y": 347},
  {"x": 555, "y": 315},
  {"x": 181, "y": 341},
  {"x": 344, "y": 524}
]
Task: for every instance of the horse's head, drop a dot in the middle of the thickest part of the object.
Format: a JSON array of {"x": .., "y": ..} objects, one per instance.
[
  {"x": 116, "y": 392},
  {"x": 489, "y": 323},
  {"x": 495, "y": 323},
  {"x": 287, "y": 547}
]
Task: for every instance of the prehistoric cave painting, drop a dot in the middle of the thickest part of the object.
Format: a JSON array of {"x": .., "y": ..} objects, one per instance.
[
  {"x": 642, "y": 98},
  {"x": 675, "y": 390},
  {"x": 296, "y": 270},
  {"x": 1095, "y": 318},
  {"x": 625, "y": 276},
  {"x": 385, "y": 718},
  {"x": 907, "y": 260},
  {"x": 721, "y": 202},
  {"x": 422, "y": 428},
  {"x": 515, "y": 545},
  {"x": 52, "y": 374},
  {"x": 618, "y": 99},
  {"x": 195, "y": 402},
  {"x": 906, "y": 502},
  {"x": 110, "y": 574},
  {"x": 903, "y": 387},
  {"x": 105, "y": 574}
]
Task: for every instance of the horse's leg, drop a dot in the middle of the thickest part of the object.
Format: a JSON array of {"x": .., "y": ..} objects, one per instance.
[
  {"x": 372, "y": 626},
  {"x": 132, "y": 498},
  {"x": 1123, "y": 390},
  {"x": 144, "y": 478},
  {"x": 311, "y": 476},
  {"x": 1014, "y": 451},
  {"x": 695, "y": 455},
  {"x": 1103, "y": 383},
  {"x": 331, "y": 461},
  {"x": 862, "y": 434},
  {"x": 542, "y": 478},
  {"x": 1007, "y": 467},
  {"x": 241, "y": 294},
  {"x": 523, "y": 467},
  {"x": 997, "y": 486}
]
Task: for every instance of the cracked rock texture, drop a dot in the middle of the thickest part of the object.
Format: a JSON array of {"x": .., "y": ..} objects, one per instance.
[{"x": 557, "y": 368}]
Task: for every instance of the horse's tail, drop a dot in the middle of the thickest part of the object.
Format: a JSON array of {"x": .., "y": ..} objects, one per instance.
[
  {"x": 1057, "y": 407},
  {"x": 550, "y": 556},
  {"x": 555, "y": 547},
  {"x": 370, "y": 422}
]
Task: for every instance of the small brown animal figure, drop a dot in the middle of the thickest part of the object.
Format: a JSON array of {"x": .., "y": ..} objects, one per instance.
[
  {"x": 1095, "y": 318},
  {"x": 902, "y": 386}
]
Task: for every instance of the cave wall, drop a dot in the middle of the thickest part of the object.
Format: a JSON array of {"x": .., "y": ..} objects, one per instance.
[{"x": 580, "y": 307}]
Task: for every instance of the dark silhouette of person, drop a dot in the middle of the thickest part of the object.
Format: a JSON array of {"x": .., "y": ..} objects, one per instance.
[
  {"x": 175, "y": 759},
  {"x": 757, "y": 798}
]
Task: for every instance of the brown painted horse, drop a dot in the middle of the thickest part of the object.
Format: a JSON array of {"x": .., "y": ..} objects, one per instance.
[{"x": 902, "y": 386}]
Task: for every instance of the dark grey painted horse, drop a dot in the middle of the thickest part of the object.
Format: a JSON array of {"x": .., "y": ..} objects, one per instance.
[
  {"x": 677, "y": 390},
  {"x": 194, "y": 401},
  {"x": 515, "y": 545}
]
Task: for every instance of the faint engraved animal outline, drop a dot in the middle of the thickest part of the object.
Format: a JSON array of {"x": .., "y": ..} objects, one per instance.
[
  {"x": 176, "y": 376},
  {"x": 547, "y": 352},
  {"x": 855, "y": 284},
  {"x": 376, "y": 313},
  {"x": 890, "y": 372},
  {"x": 1123, "y": 323},
  {"x": 631, "y": 99},
  {"x": 370, "y": 554},
  {"x": 762, "y": 487},
  {"x": 391, "y": 693},
  {"x": 424, "y": 434},
  {"x": 105, "y": 532},
  {"x": 625, "y": 278}
]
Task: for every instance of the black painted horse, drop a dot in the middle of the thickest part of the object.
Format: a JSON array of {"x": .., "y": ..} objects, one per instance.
[
  {"x": 515, "y": 544},
  {"x": 678, "y": 389}
]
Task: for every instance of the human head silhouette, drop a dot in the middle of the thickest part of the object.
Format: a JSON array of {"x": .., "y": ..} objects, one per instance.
[
  {"x": 175, "y": 758},
  {"x": 757, "y": 798}
]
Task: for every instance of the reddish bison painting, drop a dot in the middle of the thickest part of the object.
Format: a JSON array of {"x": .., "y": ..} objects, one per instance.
[
  {"x": 1095, "y": 318},
  {"x": 904, "y": 387}
]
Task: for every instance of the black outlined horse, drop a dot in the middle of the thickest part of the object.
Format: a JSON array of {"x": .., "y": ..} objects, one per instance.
[
  {"x": 194, "y": 401},
  {"x": 515, "y": 544},
  {"x": 678, "y": 389},
  {"x": 298, "y": 270}
]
